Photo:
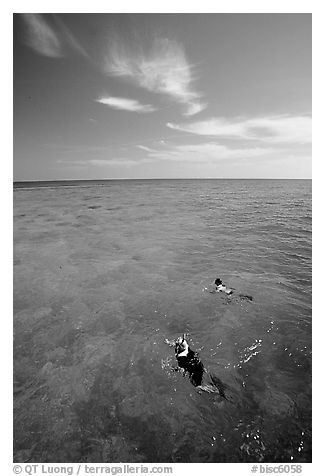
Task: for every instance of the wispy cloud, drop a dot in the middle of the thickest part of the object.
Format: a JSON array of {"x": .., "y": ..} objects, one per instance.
[
  {"x": 201, "y": 154},
  {"x": 41, "y": 37},
  {"x": 211, "y": 152},
  {"x": 69, "y": 40},
  {"x": 163, "y": 69},
  {"x": 122, "y": 162},
  {"x": 145, "y": 148},
  {"x": 47, "y": 40},
  {"x": 271, "y": 129},
  {"x": 125, "y": 104},
  {"x": 114, "y": 161}
]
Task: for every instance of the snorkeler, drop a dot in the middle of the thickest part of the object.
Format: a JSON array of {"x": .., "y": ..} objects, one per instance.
[
  {"x": 221, "y": 287},
  {"x": 189, "y": 362}
]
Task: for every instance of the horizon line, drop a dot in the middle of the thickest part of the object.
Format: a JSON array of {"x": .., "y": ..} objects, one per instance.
[{"x": 160, "y": 178}]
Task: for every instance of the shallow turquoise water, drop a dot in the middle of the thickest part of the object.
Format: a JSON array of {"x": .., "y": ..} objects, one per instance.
[{"x": 105, "y": 271}]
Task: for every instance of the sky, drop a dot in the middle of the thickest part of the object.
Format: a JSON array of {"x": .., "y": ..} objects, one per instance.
[{"x": 107, "y": 96}]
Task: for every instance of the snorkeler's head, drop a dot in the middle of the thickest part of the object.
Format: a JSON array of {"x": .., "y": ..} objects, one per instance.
[
  {"x": 181, "y": 345},
  {"x": 218, "y": 282}
]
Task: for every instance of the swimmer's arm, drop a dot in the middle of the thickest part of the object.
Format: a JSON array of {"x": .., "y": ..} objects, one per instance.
[
  {"x": 179, "y": 369},
  {"x": 171, "y": 343}
]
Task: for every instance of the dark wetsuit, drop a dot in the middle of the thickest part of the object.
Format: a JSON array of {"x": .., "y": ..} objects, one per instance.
[{"x": 192, "y": 364}]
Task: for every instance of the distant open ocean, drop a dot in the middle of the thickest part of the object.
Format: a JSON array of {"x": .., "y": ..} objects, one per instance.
[{"x": 104, "y": 271}]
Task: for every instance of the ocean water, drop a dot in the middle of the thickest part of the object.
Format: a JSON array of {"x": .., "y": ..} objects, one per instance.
[{"x": 105, "y": 271}]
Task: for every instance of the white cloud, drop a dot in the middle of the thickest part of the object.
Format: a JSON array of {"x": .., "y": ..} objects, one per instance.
[
  {"x": 41, "y": 37},
  {"x": 194, "y": 108},
  {"x": 114, "y": 161},
  {"x": 204, "y": 154},
  {"x": 67, "y": 37},
  {"x": 109, "y": 162},
  {"x": 125, "y": 104},
  {"x": 271, "y": 129},
  {"x": 164, "y": 70},
  {"x": 209, "y": 152},
  {"x": 145, "y": 148},
  {"x": 48, "y": 41}
]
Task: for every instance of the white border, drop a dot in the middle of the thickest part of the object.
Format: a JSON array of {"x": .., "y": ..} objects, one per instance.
[{"x": 169, "y": 6}]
